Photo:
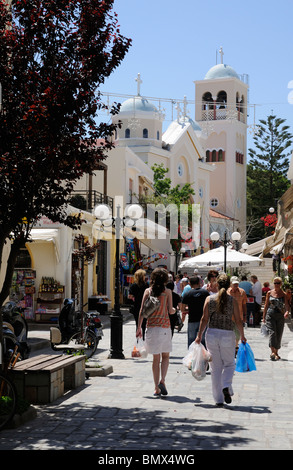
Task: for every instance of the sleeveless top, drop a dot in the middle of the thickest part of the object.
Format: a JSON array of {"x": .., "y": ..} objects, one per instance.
[
  {"x": 221, "y": 320},
  {"x": 276, "y": 304},
  {"x": 160, "y": 317}
]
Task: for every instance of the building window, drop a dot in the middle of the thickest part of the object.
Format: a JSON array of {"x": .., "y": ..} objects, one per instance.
[
  {"x": 127, "y": 133},
  {"x": 239, "y": 158},
  {"x": 215, "y": 156},
  {"x": 214, "y": 202},
  {"x": 220, "y": 155},
  {"x": 158, "y": 135},
  {"x": 145, "y": 133}
]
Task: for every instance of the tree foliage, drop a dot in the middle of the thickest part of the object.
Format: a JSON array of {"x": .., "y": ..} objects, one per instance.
[
  {"x": 54, "y": 55},
  {"x": 167, "y": 195},
  {"x": 266, "y": 172}
]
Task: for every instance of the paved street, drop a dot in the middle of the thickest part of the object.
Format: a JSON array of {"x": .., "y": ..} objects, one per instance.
[{"x": 118, "y": 412}]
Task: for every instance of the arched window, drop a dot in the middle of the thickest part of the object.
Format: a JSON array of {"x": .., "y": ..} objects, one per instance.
[
  {"x": 214, "y": 156},
  {"x": 207, "y": 101},
  {"x": 158, "y": 135},
  {"x": 208, "y": 156},
  {"x": 145, "y": 133},
  {"x": 127, "y": 133},
  {"x": 220, "y": 156},
  {"x": 222, "y": 100}
]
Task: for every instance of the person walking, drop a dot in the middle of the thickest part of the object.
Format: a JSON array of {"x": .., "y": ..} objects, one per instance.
[
  {"x": 136, "y": 291},
  {"x": 192, "y": 305},
  {"x": 240, "y": 296},
  {"x": 218, "y": 313},
  {"x": 158, "y": 336},
  {"x": 245, "y": 285},
  {"x": 211, "y": 286},
  {"x": 175, "y": 320},
  {"x": 276, "y": 309},
  {"x": 256, "y": 291}
]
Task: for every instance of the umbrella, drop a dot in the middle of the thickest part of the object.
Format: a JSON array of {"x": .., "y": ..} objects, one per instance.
[{"x": 216, "y": 257}]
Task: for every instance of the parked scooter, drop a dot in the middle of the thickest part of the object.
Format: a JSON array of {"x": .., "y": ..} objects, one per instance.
[
  {"x": 70, "y": 324},
  {"x": 15, "y": 328}
]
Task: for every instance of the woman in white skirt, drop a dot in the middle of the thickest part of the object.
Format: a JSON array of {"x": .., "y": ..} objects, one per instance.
[
  {"x": 219, "y": 313},
  {"x": 158, "y": 336}
]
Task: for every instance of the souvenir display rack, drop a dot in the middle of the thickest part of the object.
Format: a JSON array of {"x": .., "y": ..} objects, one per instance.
[
  {"x": 22, "y": 290},
  {"x": 49, "y": 301}
]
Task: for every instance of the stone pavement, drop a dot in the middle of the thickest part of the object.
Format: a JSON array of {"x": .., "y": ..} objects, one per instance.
[{"x": 119, "y": 413}]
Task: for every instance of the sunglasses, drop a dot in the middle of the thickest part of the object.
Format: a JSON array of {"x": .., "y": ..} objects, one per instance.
[{"x": 277, "y": 283}]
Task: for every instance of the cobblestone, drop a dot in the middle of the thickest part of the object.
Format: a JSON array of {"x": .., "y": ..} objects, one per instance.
[{"x": 118, "y": 412}]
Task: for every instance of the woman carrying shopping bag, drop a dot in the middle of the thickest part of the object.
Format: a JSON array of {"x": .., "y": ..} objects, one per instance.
[
  {"x": 276, "y": 309},
  {"x": 219, "y": 313},
  {"x": 158, "y": 338}
]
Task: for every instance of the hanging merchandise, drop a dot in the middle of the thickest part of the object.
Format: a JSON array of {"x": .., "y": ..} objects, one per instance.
[
  {"x": 23, "y": 289},
  {"x": 124, "y": 261}
]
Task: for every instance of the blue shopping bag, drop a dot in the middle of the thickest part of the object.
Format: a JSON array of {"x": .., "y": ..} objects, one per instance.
[{"x": 245, "y": 359}]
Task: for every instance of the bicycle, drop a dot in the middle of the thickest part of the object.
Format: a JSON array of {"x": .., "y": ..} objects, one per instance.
[{"x": 87, "y": 338}]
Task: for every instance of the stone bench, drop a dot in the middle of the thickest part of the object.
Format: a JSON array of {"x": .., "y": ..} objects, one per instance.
[{"x": 44, "y": 378}]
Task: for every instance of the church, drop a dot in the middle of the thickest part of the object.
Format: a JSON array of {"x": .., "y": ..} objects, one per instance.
[{"x": 207, "y": 151}]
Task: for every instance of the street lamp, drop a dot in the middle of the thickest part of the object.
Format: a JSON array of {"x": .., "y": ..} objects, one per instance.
[
  {"x": 214, "y": 236},
  {"x": 102, "y": 213}
]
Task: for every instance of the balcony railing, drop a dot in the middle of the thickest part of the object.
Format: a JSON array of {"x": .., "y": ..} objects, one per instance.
[
  {"x": 87, "y": 200},
  {"x": 222, "y": 114}
]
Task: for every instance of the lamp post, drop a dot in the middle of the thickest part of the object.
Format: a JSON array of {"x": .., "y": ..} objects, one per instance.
[
  {"x": 214, "y": 236},
  {"x": 102, "y": 213}
]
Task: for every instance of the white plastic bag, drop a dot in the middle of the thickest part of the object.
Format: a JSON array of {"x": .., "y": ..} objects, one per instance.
[
  {"x": 139, "y": 349},
  {"x": 187, "y": 360},
  {"x": 264, "y": 330},
  {"x": 200, "y": 360}
]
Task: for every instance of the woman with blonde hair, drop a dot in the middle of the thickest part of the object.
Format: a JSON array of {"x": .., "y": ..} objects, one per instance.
[
  {"x": 219, "y": 313},
  {"x": 136, "y": 292},
  {"x": 158, "y": 336},
  {"x": 276, "y": 309}
]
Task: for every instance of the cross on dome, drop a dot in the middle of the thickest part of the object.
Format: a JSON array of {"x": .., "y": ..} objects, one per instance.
[
  {"x": 139, "y": 81},
  {"x": 222, "y": 53}
]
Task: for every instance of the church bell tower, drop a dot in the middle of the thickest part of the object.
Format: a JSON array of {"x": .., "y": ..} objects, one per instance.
[{"x": 221, "y": 112}]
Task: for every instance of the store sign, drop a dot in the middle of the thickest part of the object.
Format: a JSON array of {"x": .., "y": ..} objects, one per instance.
[{"x": 45, "y": 222}]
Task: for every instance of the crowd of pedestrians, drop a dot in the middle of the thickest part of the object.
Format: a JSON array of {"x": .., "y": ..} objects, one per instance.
[{"x": 215, "y": 311}]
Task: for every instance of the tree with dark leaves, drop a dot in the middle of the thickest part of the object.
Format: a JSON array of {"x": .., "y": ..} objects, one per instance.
[{"x": 54, "y": 55}]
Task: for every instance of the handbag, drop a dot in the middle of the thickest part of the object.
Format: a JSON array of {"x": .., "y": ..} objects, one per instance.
[
  {"x": 150, "y": 304},
  {"x": 245, "y": 359}
]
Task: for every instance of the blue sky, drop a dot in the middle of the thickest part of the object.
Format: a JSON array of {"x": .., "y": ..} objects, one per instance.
[{"x": 175, "y": 43}]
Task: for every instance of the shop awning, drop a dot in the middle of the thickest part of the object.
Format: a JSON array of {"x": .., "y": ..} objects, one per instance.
[
  {"x": 274, "y": 244},
  {"x": 45, "y": 235},
  {"x": 256, "y": 248}
]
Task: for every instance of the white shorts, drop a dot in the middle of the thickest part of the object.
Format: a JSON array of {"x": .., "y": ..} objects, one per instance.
[{"x": 158, "y": 340}]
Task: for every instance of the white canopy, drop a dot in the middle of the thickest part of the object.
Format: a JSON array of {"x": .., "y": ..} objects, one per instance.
[{"x": 216, "y": 258}]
